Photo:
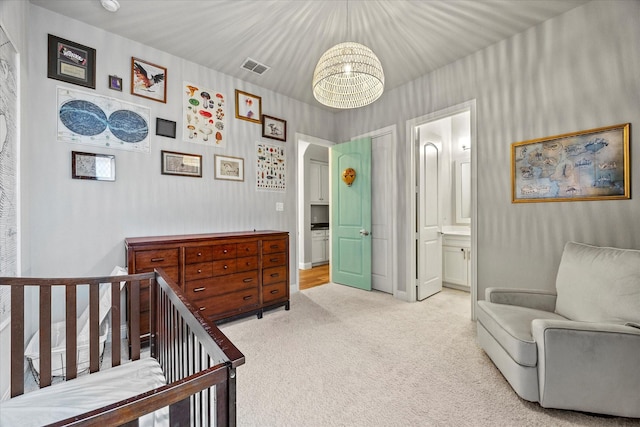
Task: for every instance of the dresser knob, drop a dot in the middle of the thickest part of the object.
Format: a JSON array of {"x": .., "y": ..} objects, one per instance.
[
  {"x": 224, "y": 252},
  {"x": 226, "y": 266},
  {"x": 199, "y": 271},
  {"x": 199, "y": 253}
]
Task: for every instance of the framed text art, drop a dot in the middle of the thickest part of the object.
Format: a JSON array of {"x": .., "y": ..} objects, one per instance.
[
  {"x": 181, "y": 164},
  {"x": 101, "y": 121},
  {"x": 587, "y": 165},
  {"x": 274, "y": 128},
  {"x": 148, "y": 80},
  {"x": 100, "y": 167},
  {"x": 248, "y": 107},
  {"x": 71, "y": 62},
  {"x": 229, "y": 168}
]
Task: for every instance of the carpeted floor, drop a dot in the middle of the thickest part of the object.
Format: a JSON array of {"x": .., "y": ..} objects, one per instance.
[{"x": 346, "y": 357}]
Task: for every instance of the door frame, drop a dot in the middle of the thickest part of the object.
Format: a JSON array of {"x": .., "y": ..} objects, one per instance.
[
  {"x": 302, "y": 142},
  {"x": 389, "y": 130},
  {"x": 411, "y": 188}
]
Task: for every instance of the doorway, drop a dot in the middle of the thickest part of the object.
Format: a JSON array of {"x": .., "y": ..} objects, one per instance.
[
  {"x": 443, "y": 202},
  {"x": 384, "y": 227}
]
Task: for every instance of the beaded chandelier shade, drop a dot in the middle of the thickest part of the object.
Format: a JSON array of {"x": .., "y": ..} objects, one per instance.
[{"x": 349, "y": 75}]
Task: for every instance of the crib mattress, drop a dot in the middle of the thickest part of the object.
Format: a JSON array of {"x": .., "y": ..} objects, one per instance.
[{"x": 85, "y": 393}]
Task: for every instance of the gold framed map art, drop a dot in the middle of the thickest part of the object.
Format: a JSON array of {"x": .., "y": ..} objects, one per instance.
[{"x": 580, "y": 166}]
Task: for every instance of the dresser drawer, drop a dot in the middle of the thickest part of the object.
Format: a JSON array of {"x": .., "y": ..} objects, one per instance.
[
  {"x": 221, "y": 284},
  {"x": 273, "y": 275},
  {"x": 273, "y": 246},
  {"x": 274, "y": 292},
  {"x": 148, "y": 260},
  {"x": 247, "y": 263},
  {"x": 225, "y": 251},
  {"x": 198, "y": 254},
  {"x": 224, "y": 305},
  {"x": 274, "y": 260},
  {"x": 247, "y": 249},
  {"x": 172, "y": 272},
  {"x": 225, "y": 266},
  {"x": 197, "y": 271}
]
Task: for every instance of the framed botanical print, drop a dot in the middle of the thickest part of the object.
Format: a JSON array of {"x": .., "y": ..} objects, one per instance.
[
  {"x": 274, "y": 128},
  {"x": 248, "y": 107}
]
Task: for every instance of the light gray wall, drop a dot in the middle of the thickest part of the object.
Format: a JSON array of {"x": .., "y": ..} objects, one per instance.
[
  {"x": 78, "y": 227},
  {"x": 575, "y": 72}
]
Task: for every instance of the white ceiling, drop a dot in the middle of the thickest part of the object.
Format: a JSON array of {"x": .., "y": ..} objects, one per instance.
[{"x": 411, "y": 37}]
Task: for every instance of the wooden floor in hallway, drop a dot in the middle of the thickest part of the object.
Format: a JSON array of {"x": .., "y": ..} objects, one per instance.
[{"x": 315, "y": 276}]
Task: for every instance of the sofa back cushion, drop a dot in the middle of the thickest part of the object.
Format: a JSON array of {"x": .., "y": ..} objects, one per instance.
[{"x": 598, "y": 284}]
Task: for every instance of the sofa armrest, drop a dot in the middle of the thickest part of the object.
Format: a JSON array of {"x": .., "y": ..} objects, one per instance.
[
  {"x": 531, "y": 298},
  {"x": 592, "y": 367}
]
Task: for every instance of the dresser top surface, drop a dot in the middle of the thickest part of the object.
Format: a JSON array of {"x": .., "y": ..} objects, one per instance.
[{"x": 177, "y": 238}]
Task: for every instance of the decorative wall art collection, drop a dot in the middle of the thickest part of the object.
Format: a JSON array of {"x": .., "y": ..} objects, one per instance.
[{"x": 106, "y": 122}]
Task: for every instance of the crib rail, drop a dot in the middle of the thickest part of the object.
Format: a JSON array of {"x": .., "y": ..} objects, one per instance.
[
  {"x": 44, "y": 288},
  {"x": 198, "y": 361}
]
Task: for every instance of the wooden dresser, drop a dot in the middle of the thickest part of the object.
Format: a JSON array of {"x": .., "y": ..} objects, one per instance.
[{"x": 226, "y": 275}]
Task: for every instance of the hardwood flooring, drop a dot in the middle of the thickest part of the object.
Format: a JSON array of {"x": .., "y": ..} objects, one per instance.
[{"x": 315, "y": 276}]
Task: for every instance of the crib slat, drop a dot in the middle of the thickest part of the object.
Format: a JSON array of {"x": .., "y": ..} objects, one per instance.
[
  {"x": 134, "y": 321},
  {"x": 17, "y": 340},
  {"x": 45, "y": 336},
  {"x": 71, "y": 332},
  {"x": 115, "y": 324},
  {"x": 94, "y": 327}
]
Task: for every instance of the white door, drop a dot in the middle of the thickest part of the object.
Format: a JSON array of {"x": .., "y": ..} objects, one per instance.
[
  {"x": 382, "y": 199},
  {"x": 429, "y": 237}
]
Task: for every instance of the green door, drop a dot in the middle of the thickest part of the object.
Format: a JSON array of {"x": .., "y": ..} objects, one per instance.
[{"x": 351, "y": 214}]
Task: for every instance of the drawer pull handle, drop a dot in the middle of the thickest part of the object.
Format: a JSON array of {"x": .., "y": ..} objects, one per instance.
[
  {"x": 275, "y": 274},
  {"x": 199, "y": 271},
  {"x": 157, "y": 259},
  {"x": 199, "y": 289},
  {"x": 274, "y": 260},
  {"x": 275, "y": 291},
  {"x": 274, "y": 246},
  {"x": 247, "y": 298},
  {"x": 247, "y": 280},
  {"x": 202, "y": 308}
]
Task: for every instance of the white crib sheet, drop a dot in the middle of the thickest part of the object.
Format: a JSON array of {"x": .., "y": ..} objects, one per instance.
[{"x": 86, "y": 393}]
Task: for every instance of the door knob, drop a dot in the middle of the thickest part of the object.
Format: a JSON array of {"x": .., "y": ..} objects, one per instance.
[{"x": 364, "y": 232}]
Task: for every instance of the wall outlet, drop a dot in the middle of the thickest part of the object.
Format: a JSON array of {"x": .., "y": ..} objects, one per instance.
[{"x": 279, "y": 206}]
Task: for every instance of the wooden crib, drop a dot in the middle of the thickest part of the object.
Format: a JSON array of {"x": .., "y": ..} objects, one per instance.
[{"x": 197, "y": 363}]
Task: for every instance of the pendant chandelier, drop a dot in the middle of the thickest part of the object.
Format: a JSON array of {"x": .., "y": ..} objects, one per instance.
[{"x": 349, "y": 75}]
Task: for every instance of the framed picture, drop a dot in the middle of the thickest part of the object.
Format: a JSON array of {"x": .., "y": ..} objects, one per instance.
[
  {"x": 229, "y": 168},
  {"x": 181, "y": 164},
  {"x": 165, "y": 128},
  {"x": 148, "y": 80},
  {"x": 586, "y": 165},
  {"x": 115, "y": 83},
  {"x": 71, "y": 62},
  {"x": 274, "y": 128},
  {"x": 248, "y": 107},
  {"x": 100, "y": 167}
]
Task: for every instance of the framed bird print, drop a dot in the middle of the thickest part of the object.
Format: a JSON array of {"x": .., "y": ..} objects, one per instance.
[{"x": 148, "y": 80}]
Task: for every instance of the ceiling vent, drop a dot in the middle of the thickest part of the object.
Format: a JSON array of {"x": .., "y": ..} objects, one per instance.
[{"x": 254, "y": 66}]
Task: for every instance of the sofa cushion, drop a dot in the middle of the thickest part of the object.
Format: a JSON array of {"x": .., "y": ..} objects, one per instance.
[
  {"x": 510, "y": 325},
  {"x": 597, "y": 284}
]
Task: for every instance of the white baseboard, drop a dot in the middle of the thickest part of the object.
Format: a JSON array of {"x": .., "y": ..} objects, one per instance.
[{"x": 305, "y": 266}]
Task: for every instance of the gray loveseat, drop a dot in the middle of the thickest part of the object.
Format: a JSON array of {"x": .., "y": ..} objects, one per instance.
[{"x": 579, "y": 347}]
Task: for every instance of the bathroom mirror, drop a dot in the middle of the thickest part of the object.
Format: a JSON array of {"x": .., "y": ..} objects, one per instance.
[{"x": 463, "y": 192}]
